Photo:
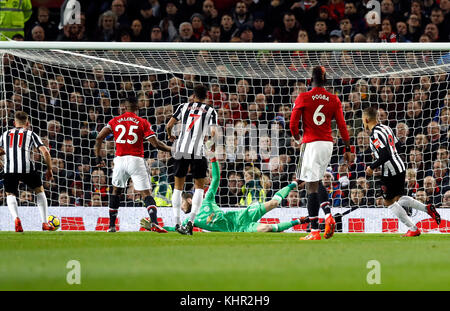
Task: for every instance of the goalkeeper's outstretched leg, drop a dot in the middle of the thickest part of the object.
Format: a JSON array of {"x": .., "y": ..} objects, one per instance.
[{"x": 274, "y": 203}]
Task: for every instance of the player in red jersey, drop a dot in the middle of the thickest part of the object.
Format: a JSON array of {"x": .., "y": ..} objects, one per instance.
[
  {"x": 130, "y": 131},
  {"x": 317, "y": 108}
]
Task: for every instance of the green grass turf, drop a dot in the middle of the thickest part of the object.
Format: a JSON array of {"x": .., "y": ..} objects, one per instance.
[{"x": 221, "y": 261}]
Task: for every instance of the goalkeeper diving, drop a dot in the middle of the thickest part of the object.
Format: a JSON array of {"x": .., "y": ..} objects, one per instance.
[{"x": 212, "y": 218}]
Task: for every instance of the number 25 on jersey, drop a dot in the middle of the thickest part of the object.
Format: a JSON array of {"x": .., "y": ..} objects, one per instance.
[{"x": 123, "y": 130}]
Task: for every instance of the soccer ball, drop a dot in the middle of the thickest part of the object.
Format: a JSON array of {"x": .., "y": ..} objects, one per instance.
[{"x": 53, "y": 221}]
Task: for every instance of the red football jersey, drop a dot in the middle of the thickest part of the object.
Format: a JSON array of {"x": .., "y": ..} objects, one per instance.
[
  {"x": 129, "y": 134},
  {"x": 317, "y": 108}
]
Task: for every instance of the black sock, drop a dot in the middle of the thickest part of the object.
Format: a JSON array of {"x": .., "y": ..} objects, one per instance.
[
  {"x": 323, "y": 199},
  {"x": 325, "y": 207},
  {"x": 114, "y": 202},
  {"x": 313, "y": 210},
  {"x": 150, "y": 203}
]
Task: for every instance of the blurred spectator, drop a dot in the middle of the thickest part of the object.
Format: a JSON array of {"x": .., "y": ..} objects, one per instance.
[
  {"x": 293, "y": 200},
  {"x": 64, "y": 199},
  {"x": 440, "y": 173},
  {"x": 432, "y": 190},
  {"x": 288, "y": 32},
  {"x": 227, "y": 28},
  {"x": 320, "y": 31},
  {"x": 369, "y": 193},
  {"x": 436, "y": 140},
  {"x": 432, "y": 31},
  {"x": 387, "y": 33},
  {"x": 162, "y": 190},
  {"x": 72, "y": 32},
  {"x": 246, "y": 34},
  {"x": 149, "y": 14},
  {"x": 212, "y": 33},
  {"x": 335, "y": 36},
  {"x": 119, "y": 9},
  {"x": 346, "y": 28},
  {"x": 197, "y": 26},
  {"x": 137, "y": 35},
  {"x": 252, "y": 191},
  {"x": 96, "y": 200},
  {"x": 402, "y": 31},
  {"x": 363, "y": 152},
  {"x": 446, "y": 200},
  {"x": 99, "y": 183},
  {"x": 49, "y": 26},
  {"x": 406, "y": 142},
  {"x": 26, "y": 199},
  {"x": 78, "y": 194},
  {"x": 411, "y": 182},
  {"x": 261, "y": 32},
  {"x": 414, "y": 28},
  {"x": 230, "y": 195},
  {"x": 210, "y": 13},
  {"x": 333, "y": 189},
  {"x": 107, "y": 27},
  {"x": 241, "y": 16},
  {"x": 416, "y": 162},
  {"x": 357, "y": 198},
  {"x": 421, "y": 196},
  {"x": 187, "y": 32},
  {"x": 38, "y": 33}
]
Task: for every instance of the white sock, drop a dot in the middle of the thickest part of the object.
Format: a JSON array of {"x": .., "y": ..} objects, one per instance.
[
  {"x": 176, "y": 205},
  {"x": 406, "y": 201},
  {"x": 398, "y": 211},
  {"x": 11, "y": 201},
  {"x": 197, "y": 200},
  {"x": 41, "y": 201}
]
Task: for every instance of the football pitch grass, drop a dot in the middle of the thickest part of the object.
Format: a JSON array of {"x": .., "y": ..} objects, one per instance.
[{"x": 221, "y": 261}]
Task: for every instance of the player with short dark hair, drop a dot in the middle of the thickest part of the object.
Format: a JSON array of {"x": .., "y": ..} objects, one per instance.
[
  {"x": 195, "y": 118},
  {"x": 129, "y": 132},
  {"x": 384, "y": 145},
  {"x": 317, "y": 108},
  {"x": 16, "y": 146}
]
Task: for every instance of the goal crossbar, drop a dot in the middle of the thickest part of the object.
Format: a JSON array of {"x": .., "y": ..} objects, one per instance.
[{"x": 192, "y": 46}]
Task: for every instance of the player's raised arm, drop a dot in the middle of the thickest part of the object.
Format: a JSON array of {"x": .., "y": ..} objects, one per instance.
[
  {"x": 98, "y": 142},
  {"x": 210, "y": 195}
]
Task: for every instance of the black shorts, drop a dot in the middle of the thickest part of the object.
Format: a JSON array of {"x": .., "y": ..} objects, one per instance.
[
  {"x": 392, "y": 186},
  {"x": 199, "y": 167},
  {"x": 11, "y": 181}
]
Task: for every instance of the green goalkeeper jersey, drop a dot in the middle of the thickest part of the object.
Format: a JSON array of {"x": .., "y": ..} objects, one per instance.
[{"x": 210, "y": 216}]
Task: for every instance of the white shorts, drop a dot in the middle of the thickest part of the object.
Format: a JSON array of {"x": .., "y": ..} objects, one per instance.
[
  {"x": 314, "y": 160},
  {"x": 134, "y": 167}
]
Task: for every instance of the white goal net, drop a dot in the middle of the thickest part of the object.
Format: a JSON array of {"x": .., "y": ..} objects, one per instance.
[{"x": 72, "y": 91}]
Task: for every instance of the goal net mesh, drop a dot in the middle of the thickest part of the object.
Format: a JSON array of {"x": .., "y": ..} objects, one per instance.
[{"x": 70, "y": 95}]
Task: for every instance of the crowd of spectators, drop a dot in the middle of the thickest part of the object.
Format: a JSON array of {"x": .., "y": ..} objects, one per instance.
[
  {"x": 247, "y": 21},
  {"x": 68, "y": 107}
]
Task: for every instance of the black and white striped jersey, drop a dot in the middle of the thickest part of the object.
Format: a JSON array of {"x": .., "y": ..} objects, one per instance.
[
  {"x": 18, "y": 144},
  {"x": 383, "y": 145},
  {"x": 195, "y": 119}
]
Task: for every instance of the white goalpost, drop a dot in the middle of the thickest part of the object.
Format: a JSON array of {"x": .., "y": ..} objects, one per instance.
[{"x": 72, "y": 89}]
